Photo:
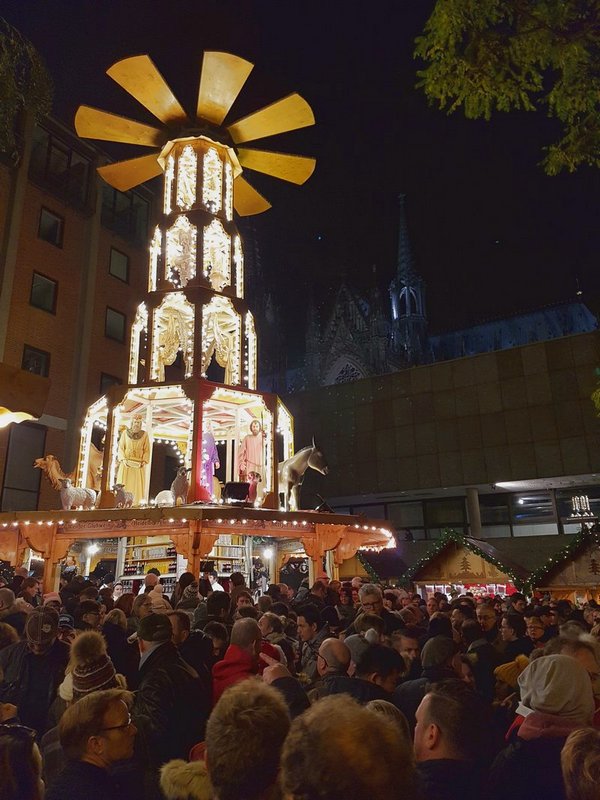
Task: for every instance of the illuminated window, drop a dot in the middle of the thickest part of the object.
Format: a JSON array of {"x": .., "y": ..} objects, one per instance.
[
  {"x": 228, "y": 191},
  {"x": 212, "y": 183},
  {"x": 238, "y": 260},
  {"x": 217, "y": 255},
  {"x": 180, "y": 261},
  {"x": 186, "y": 177},
  {"x": 155, "y": 253},
  {"x": 169, "y": 176}
]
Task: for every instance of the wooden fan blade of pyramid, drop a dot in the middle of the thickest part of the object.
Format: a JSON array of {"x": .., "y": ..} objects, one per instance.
[
  {"x": 124, "y": 175},
  {"x": 288, "y": 114},
  {"x": 91, "y": 123},
  {"x": 139, "y": 76},
  {"x": 247, "y": 200},
  {"x": 295, "y": 169},
  {"x": 221, "y": 80}
]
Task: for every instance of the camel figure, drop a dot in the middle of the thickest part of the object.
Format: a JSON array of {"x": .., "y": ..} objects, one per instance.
[{"x": 53, "y": 471}]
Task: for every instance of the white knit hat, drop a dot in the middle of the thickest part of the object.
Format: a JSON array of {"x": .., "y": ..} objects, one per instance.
[{"x": 559, "y": 685}]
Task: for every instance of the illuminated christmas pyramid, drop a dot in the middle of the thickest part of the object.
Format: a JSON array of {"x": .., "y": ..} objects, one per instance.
[{"x": 193, "y": 349}]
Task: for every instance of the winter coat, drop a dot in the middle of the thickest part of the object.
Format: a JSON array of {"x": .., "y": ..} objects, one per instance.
[
  {"x": 197, "y": 651},
  {"x": 308, "y": 657},
  {"x": 31, "y": 682},
  {"x": 293, "y": 694},
  {"x": 362, "y": 691},
  {"x": 14, "y": 616},
  {"x": 82, "y": 781},
  {"x": 124, "y": 656},
  {"x": 409, "y": 694},
  {"x": 484, "y": 659},
  {"x": 521, "y": 646},
  {"x": 238, "y": 665},
  {"x": 529, "y": 767},
  {"x": 448, "y": 779},
  {"x": 170, "y": 709}
]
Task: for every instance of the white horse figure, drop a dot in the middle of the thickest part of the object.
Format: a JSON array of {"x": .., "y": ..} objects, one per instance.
[{"x": 291, "y": 473}]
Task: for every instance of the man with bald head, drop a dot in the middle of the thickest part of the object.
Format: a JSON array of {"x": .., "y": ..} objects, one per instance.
[
  {"x": 333, "y": 658},
  {"x": 241, "y": 657}
]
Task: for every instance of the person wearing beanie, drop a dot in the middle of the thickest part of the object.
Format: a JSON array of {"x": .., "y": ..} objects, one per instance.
[
  {"x": 190, "y": 600},
  {"x": 556, "y": 699},
  {"x": 53, "y": 600},
  {"x": 90, "y": 670},
  {"x": 509, "y": 673},
  {"x": 32, "y": 670},
  {"x": 160, "y": 604},
  {"x": 440, "y": 660},
  {"x": 171, "y": 704}
]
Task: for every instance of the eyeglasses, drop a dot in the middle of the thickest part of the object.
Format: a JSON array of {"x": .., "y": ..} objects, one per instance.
[
  {"x": 118, "y": 727},
  {"x": 374, "y": 604}
]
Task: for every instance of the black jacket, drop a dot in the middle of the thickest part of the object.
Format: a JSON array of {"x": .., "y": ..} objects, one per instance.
[
  {"x": 31, "y": 682},
  {"x": 170, "y": 709},
  {"x": 362, "y": 691},
  {"x": 448, "y": 779},
  {"x": 124, "y": 656},
  {"x": 197, "y": 650},
  {"x": 528, "y": 769},
  {"x": 407, "y": 697},
  {"x": 82, "y": 781}
]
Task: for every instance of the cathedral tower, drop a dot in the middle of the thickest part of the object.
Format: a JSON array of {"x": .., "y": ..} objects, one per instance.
[{"x": 407, "y": 295}]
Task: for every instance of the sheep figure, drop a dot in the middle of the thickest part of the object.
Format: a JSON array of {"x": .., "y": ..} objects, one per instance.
[
  {"x": 181, "y": 486},
  {"x": 123, "y": 499},
  {"x": 164, "y": 498},
  {"x": 73, "y": 497}
]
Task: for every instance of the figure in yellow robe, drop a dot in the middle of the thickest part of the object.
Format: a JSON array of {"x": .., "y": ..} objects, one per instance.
[{"x": 132, "y": 457}]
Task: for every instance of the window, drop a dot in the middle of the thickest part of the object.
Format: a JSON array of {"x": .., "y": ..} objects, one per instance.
[
  {"x": 43, "y": 293},
  {"x": 448, "y": 512},
  {"x": 36, "y": 361},
  {"x": 51, "y": 227},
  {"x": 494, "y": 509},
  {"x": 21, "y": 487},
  {"x": 106, "y": 381},
  {"x": 119, "y": 265},
  {"x": 114, "y": 325},
  {"x": 532, "y": 507},
  {"x": 125, "y": 213},
  {"x": 59, "y": 168}
]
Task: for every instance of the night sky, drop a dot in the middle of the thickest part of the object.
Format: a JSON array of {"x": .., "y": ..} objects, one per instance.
[{"x": 492, "y": 234}]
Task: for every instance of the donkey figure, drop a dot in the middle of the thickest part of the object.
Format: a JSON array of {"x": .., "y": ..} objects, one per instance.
[{"x": 291, "y": 473}]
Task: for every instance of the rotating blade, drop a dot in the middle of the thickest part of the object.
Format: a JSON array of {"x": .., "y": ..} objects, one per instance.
[
  {"x": 140, "y": 77},
  {"x": 124, "y": 175},
  {"x": 92, "y": 123},
  {"x": 221, "y": 80},
  {"x": 295, "y": 169},
  {"x": 288, "y": 114},
  {"x": 247, "y": 200}
]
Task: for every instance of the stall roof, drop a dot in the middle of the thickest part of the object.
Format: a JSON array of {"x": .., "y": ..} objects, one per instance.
[{"x": 520, "y": 556}]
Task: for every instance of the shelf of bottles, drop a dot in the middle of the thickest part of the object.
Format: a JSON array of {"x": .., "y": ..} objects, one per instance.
[
  {"x": 230, "y": 554},
  {"x": 142, "y": 553}
]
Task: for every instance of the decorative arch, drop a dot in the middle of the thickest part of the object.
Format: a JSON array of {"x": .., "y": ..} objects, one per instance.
[
  {"x": 216, "y": 257},
  {"x": 250, "y": 362},
  {"x": 344, "y": 370},
  {"x": 222, "y": 338},
  {"x": 138, "y": 329},
  {"x": 172, "y": 332},
  {"x": 187, "y": 168},
  {"x": 180, "y": 260},
  {"x": 212, "y": 181}
]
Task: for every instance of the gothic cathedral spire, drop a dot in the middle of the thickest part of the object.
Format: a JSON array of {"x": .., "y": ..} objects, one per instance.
[{"x": 407, "y": 295}]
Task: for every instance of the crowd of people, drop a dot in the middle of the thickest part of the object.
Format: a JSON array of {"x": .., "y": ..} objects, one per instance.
[{"x": 336, "y": 691}]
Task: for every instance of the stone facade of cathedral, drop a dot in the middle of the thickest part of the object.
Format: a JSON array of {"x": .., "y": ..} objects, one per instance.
[{"x": 372, "y": 336}]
